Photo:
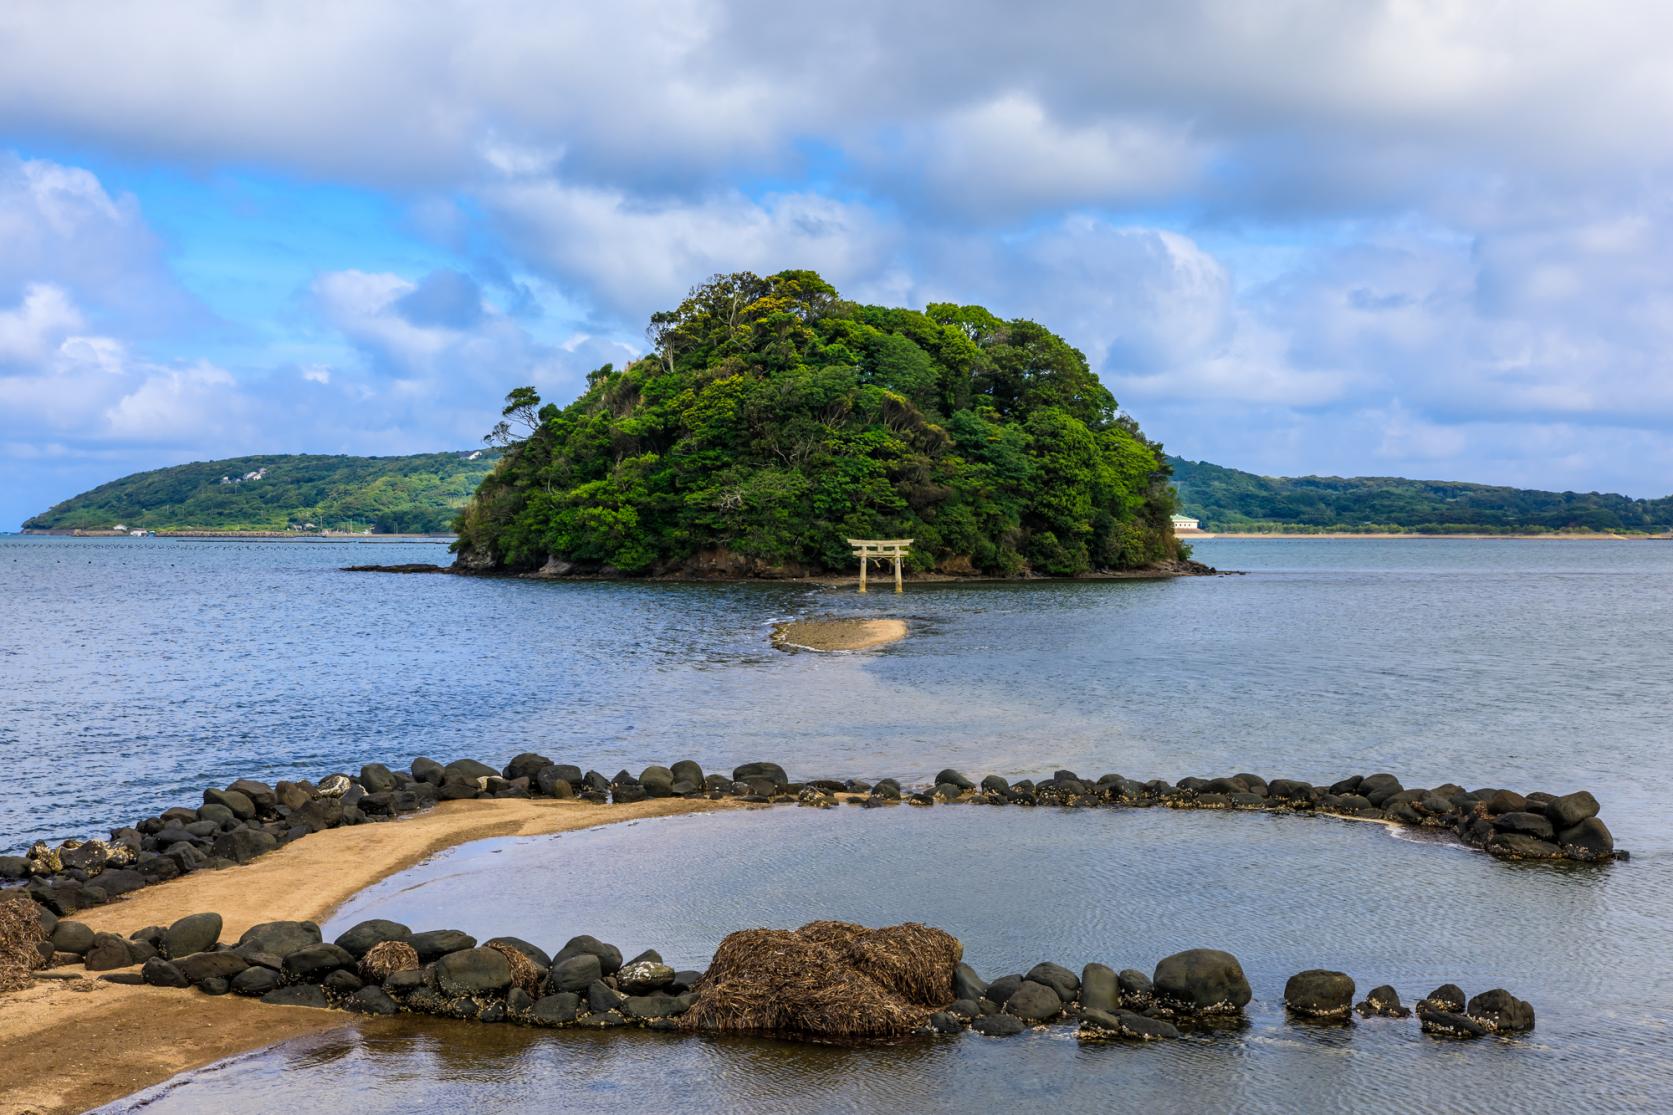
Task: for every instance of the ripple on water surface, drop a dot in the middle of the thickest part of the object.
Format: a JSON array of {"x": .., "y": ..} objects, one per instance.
[{"x": 1019, "y": 886}]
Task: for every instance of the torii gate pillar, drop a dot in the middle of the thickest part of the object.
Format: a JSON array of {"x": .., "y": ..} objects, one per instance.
[{"x": 892, "y": 548}]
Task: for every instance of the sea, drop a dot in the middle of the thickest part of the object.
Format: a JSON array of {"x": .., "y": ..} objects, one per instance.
[{"x": 135, "y": 672}]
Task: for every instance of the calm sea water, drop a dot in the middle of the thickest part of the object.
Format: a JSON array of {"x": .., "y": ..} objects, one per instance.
[{"x": 133, "y": 673}]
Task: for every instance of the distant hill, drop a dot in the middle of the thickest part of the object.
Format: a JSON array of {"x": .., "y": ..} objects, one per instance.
[
  {"x": 389, "y": 495},
  {"x": 1225, "y": 499}
]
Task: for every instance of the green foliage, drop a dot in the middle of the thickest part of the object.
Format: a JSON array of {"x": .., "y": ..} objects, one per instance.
[
  {"x": 773, "y": 420},
  {"x": 389, "y": 495},
  {"x": 1228, "y": 500}
]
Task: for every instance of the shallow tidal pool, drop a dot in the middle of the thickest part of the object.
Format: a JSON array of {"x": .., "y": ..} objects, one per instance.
[{"x": 1018, "y": 886}]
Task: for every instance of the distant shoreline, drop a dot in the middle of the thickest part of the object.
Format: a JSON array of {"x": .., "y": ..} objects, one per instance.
[
  {"x": 246, "y": 535},
  {"x": 1570, "y": 536}
]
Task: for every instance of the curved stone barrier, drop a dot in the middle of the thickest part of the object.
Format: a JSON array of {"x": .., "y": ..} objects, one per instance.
[
  {"x": 825, "y": 981},
  {"x": 247, "y": 819}
]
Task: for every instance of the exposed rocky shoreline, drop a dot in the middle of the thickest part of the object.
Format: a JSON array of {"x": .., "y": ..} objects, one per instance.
[
  {"x": 556, "y": 570},
  {"x": 238, "y": 823}
]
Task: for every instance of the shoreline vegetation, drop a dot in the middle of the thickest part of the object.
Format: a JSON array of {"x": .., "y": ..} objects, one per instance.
[{"x": 774, "y": 421}]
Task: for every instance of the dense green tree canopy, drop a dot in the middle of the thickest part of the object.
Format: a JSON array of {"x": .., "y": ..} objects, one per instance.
[
  {"x": 772, "y": 420},
  {"x": 418, "y": 494}
]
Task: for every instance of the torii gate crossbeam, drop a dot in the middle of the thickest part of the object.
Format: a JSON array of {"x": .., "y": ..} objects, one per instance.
[{"x": 892, "y": 548}]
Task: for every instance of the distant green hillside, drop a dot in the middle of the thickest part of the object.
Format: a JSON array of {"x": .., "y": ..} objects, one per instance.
[
  {"x": 390, "y": 495},
  {"x": 1228, "y": 500}
]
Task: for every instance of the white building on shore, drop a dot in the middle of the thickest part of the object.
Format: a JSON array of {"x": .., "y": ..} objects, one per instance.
[{"x": 1184, "y": 524}]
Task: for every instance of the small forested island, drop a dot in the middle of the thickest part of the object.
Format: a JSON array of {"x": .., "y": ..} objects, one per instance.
[
  {"x": 1226, "y": 499},
  {"x": 773, "y": 420},
  {"x": 295, "y": 493}
]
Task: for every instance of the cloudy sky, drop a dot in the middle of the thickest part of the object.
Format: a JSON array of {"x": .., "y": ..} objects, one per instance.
[{"x": 1424, "y": 239}]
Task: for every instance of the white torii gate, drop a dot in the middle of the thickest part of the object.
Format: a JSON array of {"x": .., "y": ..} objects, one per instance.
[{"x": 868, "y": 548}]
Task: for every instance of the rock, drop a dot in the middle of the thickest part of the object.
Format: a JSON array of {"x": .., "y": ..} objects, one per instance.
[
  {"x": 213, "y": 985},
  {"x": 967, "y": 984},
  {"x": 687, "y": 770},
  {"x": 998, "y": 1025},
  {"x": 474, "y": 971},
  {"x": 550, "y": 782},
  {"x": 242, "y": 807},
  {"x": 433, "y": 944},
  {"x": 945, "y": 1022},
  {"x": 609, "y": 956},
  {"x": 406, "y": 980},
  {"x": 13, "y": 868},
  {"x": 1501, "y": 1012},
  {"x": 601, "y": 997},
  {"x": 139, "y": 951},
  {"x": 1201, "y": 981},
  {"x": 1099, "y": 989},
  {"x": 1320, "y": 994},
  {"x": 526, "y": 765},
  {"x": 468, "y": 769},
  {"x": 261, "y": 795},
  {"x": 555, "y": 1010},
  {"x": 1056, "y": 977},
  {"x": 377, "y": 778},
  {"x": 1034, "y": 1002},
  {"x": 280, "y": 938},
  {"x": 371, "y": 1000},
  {"x": 574, "y": 974},
  {"x": 255, "y": 982},
  {"x": 1448, "y": 996},
  {"x": 71, "y": 936},
  {"x": 1382, "y": 1001},
  {"x": 359, "y": 939},
  {"x": 644, "y": 976},
  {"x": 518, "y": 1002},
  {"x": 1122, "y": 1025},
  {"x": 1002, "y": 988},
  {"x": 536, "y": 955},
  {"x": 1447, "y": 1024},
  {"x": 242, "y": 845},
  {"x": 427, "y": 770},
  {"x": 771, "y": 772},
  {"x": 1590, "y": 839},
  {"x": 1529, "y": 824},
  {"x": 210, "y": 965},
  {"x": 341, "y": 984},
  {"x": 108, "y": 951},
  {"x": 655, "y": 1006},
  {"x": 1378, "y": 788},
  {"x": 1570, "y": 809},
  {"x": 194, "y": 933},
  {"x": 297, "y": 995},
  {"x": 658, "y": 781},
  {"x": 954, "y": 778},
  {"x": 314, "y": 963},
  {"x": 160, "y": 973},
  {"x": 1136, "y": 988},
  {"x": 1515, "y": 845}
]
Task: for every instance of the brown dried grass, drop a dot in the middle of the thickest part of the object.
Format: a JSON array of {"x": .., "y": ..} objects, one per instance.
[
  {"x": 385, "y": 959},
  {"x": 20, "y": 932},
  {"x": 829, "y": 980},
  {"x": 524, "y": 974}
]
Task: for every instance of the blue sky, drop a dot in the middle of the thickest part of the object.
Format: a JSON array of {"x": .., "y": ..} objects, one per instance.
[{"x": 1423, "y": 239}]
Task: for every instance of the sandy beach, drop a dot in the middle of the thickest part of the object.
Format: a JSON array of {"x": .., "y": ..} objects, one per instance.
[
  {"x": 68, "y": 1045},
  {"x": 839, "y": 634}
]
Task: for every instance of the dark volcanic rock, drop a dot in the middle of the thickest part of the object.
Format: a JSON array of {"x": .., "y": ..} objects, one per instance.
[
  {"x": 108, "y": 951},
  {"x": 242, "y": 807},
  {"x": 771, "y": 772},
  {"x": 314, "y": 963},
  {"x": 209, "y": 965},
  {"x": 1501, "y": 1012},
  {"x": 1122, "y": 1025},
  {"x": 1099, "y": 989},
  {"x": 255, "y": 982},
  {"x": 998, "y": 1025},
  {"x": 1034, "y": 1002},
  {"x": 194, "y": 933},
  {"x": 1136, "y": 988},
  {"x": 473, "y": 972},
  {"x": 536, "y": 955},
  {"x": 609, "y": 956},
  {"x": 1590, "y": 839},
  {"x": 1320, "y": 994},
  {"x": 1056, "y": 977},
  {"x": 1528, "y": 824},
  {"x": 160, "y": 973},
  {"x": 573, "y": 974},
  {"x": 526, "y": 765},
  {"x": 433, "y": 944},
  {"x": 371, "y": 1000},
  {"x": 1515, "y": 845},
  {"x": 1570, "y": 809},
  {"x": 1448, "y": 996},
  {"x": 967, "y": 984},
  {"x": 280, "y": 938},
  {"x": 72, "y": 936},
  {"x": 242, "y": 845},
  {"x": 297, "y": 995},
  {"x": 1201, "y": 981},
  {"x": 1382, "y": 1001},
  {"x": 555, "y": 1010},
  {"x": 377, "y": 778},
  {"x": 1447, "y": 1024},
  {"x": 358, "y": 939}
]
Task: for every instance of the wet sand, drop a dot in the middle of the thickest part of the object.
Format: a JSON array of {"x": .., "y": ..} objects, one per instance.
[
  {"x": 69, "y": 1045},
  {"x": 839, "y": 634}
]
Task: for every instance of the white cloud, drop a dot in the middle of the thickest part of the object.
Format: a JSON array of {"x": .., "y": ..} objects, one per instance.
[{"x": 41, "y": 319}]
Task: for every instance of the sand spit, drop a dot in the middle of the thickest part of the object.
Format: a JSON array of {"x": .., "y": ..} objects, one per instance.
[{"x": 838, "y": 634}]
